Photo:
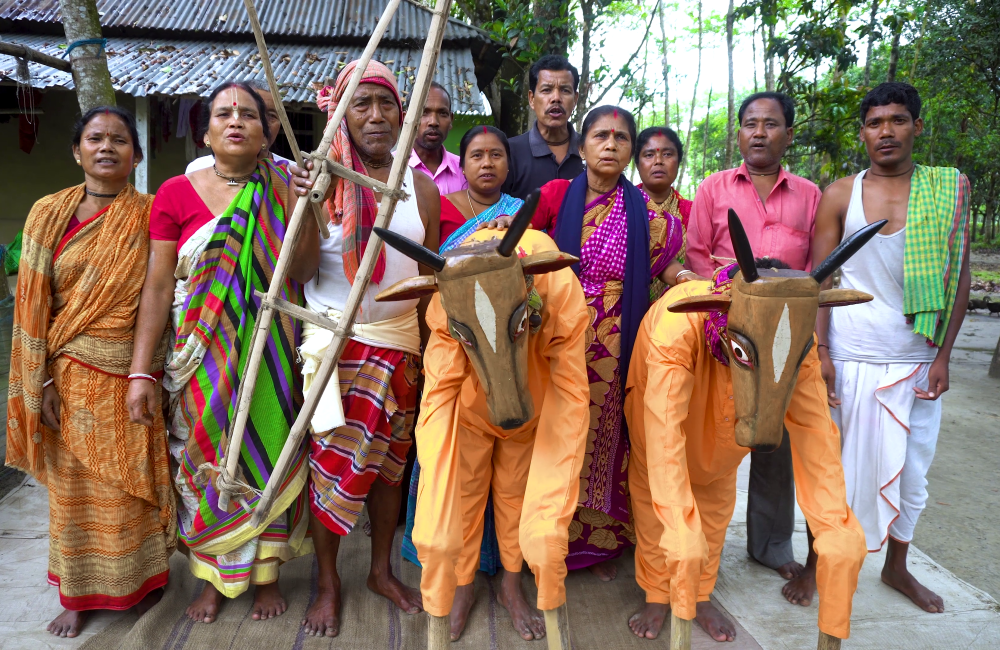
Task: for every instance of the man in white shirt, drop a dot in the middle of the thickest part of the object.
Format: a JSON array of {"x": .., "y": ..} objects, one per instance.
[{"x": 272, "y": 121}]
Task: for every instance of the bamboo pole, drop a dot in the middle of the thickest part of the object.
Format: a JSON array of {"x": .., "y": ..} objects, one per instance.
[
  {"x": 279, "y": 106},
  {"x": 438, "y": 632},
  {"x": 264, "y": 317},
  {"x": 418, "y": 96},
  {"x": 680, "y": 633},
  {"x": 827, "y": 642},
  {"x": 557, "y": 627}
]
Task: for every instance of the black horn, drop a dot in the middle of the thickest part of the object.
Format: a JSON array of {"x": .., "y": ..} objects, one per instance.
[
  {"x": 519, "y": 225},
  {"x": 411, "y": 249},
  {"x": 846, "y": 250},
  {"x": 742, "y": 248}
]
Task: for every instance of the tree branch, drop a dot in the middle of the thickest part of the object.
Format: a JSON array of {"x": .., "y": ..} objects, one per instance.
[
  {"x": 625, "y": 68},
  {"x": 23, "y": 52}
]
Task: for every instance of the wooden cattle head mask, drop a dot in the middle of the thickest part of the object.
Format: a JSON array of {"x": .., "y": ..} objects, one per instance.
[
  {"x": 485, "y": 295},
  {"x": 771, "y": 318}
]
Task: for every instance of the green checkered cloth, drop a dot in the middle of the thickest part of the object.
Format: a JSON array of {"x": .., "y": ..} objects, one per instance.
[{"x": 937, "y": 233}]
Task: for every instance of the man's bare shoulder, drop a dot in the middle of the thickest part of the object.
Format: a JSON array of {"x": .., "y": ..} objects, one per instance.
[
  {"x": 425, "y": 188},
  {"x": 838, "y": 193}
]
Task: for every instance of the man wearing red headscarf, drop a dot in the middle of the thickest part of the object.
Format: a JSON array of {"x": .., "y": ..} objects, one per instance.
[{"x": 361, "y": 430}]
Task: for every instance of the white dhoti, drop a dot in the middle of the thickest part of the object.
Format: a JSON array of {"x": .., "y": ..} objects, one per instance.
[{"x": 888, "y": 438}]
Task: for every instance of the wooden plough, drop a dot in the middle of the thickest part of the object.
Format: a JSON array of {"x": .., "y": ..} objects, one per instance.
[{"x": 322, "y": 175}]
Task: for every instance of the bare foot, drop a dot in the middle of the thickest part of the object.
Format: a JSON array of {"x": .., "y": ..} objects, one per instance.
[
  {"x": 268, "y": 602},
  {"x": 647, "y": 622},
  {"x": 528, "y": 621},
  {"x": 904, "y": 582},
  {"x": 148, "y": 601},
  {"x": 714, "y": 623},
  {"x": 791, "y": 570},
  {"x": 323, "y": 617},
  {"x": 405, "y": 598},
  {"x": 465, "y": 597},
  {"x": 800, "y": 590},
  {"x": 206, "y": 606},
  {"x": 68, "y": 624},
  {"x": 606, "y": 570}
]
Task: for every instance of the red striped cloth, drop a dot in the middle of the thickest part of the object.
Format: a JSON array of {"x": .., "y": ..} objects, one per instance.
[{"x": 378, "y": 388}]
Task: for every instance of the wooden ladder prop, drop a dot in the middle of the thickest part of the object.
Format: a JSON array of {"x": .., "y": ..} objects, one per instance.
[{"x": 321, "y": 176}]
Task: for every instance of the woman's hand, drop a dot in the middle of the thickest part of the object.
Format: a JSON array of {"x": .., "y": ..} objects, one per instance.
[
  {"x": 50, "y": 407},
  {"x": 500, "y": 223},
  {"x": 141, "y": 400}
]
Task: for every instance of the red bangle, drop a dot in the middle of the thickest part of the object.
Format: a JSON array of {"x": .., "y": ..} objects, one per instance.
[{"x": 142, "y": 375}]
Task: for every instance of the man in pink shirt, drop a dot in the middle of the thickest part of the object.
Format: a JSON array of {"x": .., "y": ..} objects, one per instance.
[
  {"x": 429, "y": 154},
  {"x": 778, "y": 210}
]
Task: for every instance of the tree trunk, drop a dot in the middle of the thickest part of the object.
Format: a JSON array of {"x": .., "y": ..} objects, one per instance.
[
  {"x": 514, "y": 107},
  {"x": 551, "y": 12},
  {"x": 897, "y": 29},
  {"x": 666, "y": 68},
  {"x": 731, "y": 117},
  {"x": 769, "y": 84},
  {"x": 90, "y": 63},
  {"x": 587, "y": 7},
  {"x": 704, "y": 133},
  {"x": 694, "y": 97},
  {"x": 871, "y": 42},
  {"x": 916, "y": 46}
]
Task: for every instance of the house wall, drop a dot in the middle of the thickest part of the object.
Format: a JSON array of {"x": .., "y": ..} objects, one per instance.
[{"x": 27, "y": 177}]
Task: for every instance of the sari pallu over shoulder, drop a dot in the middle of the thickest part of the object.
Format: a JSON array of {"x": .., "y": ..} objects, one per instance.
[
  {"x": 79, "y": 303},
  {"x": 215, "y": 325}
]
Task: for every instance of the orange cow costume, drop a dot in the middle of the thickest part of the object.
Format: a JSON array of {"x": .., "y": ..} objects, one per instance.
[
  {"x": 533, "y": 470},
  {"x": 684, "y": 429}
]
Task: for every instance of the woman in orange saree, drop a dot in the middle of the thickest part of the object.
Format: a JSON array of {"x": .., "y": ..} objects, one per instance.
[{"x": 112, "y": 526}]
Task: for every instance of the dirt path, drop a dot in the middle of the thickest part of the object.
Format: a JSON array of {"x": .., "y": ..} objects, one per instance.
[{"x": 960, "y": 528}]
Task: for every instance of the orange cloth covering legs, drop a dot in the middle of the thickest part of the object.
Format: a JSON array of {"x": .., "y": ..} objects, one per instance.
[
  {"x": 682, "y": 473},
  {"x": 534, "y": 471}
]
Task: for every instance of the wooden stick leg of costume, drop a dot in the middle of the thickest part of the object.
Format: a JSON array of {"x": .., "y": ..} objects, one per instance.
[
  {"x": 397, "y": 172},
  {"x": 557, "y": 627},
  {"x": 680, "y": 633},
  {"x": 438, "y": 632},
  {"x": 827, "y": 642}
]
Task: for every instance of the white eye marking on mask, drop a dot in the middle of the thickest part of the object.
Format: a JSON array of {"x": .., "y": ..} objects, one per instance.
[
  {"x": 782, "y": 344},
  {"x": 487, "y": 317}
]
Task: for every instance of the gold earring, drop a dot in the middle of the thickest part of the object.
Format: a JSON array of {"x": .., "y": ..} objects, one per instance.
[
  {"x": 263, "y": 146},
  {"x": 135, "y": 165},
  {"x": 78, "y": 161},
  {"x": 208, "y": 144}
]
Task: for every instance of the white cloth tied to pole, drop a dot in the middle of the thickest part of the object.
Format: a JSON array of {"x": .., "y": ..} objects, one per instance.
[{"x": 399, "y": 333}]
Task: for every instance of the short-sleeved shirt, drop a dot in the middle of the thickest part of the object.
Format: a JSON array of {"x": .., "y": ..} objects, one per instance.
[
  {"x": 780, "y": 228},
  {"x": 178, "y": 211},
  {"x": 448, "y": 178},
  {"x": 532, "y": 163}
]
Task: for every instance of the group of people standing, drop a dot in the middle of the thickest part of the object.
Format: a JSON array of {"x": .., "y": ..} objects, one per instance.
[{"x": 134, "y": 316}]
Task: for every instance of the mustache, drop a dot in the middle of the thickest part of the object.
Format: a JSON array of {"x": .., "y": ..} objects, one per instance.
[
  {"x": 895, "y": 143},
  {"x": 433, "y": 130}
]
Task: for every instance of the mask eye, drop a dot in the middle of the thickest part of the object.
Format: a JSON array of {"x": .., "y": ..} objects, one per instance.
[
  {"x": 462, "y": 334},
  {"x": 740, "y": 354},
  {"x": 518, "y": 321}
]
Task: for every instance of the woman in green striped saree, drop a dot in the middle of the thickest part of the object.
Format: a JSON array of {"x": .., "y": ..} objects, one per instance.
[{"x": 218, "y": 231}]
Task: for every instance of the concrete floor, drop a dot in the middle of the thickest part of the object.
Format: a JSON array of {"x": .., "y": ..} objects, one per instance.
[{"x": 959, "y": 530}]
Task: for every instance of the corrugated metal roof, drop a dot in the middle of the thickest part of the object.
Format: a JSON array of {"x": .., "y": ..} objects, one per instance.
[
  {"x": 175, "y": 67},
  {"x": 298, "y": 19}
]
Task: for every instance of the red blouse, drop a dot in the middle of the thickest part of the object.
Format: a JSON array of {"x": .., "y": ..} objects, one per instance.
[
  {"x": 451, "y": 219},
  {"x": 178, "y": 211}
]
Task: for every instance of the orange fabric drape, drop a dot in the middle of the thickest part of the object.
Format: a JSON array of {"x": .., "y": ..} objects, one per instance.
[{"x": 81, "y": 303}]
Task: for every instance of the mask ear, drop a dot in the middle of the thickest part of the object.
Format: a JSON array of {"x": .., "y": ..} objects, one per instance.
[
  {"x": 710, "y": 302},
  {"x": 842, "y": 297},
  {"x": 409, "y": 289},
  {"x": 547, "y": 262}
]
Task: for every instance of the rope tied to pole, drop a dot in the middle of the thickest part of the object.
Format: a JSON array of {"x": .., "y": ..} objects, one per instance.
[
  {"x": 233, "y": 485},
  {"x": 103, "y": 42}
]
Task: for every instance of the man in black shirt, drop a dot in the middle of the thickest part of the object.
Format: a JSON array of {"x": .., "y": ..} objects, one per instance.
[{"x": 551, "y": 149}]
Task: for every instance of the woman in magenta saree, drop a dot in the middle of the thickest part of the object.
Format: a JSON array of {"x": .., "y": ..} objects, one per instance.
[{"x": 623, "y": 245}]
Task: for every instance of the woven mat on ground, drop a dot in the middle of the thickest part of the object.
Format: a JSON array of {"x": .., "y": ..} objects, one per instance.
[{"x": 598, "y": 613}]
